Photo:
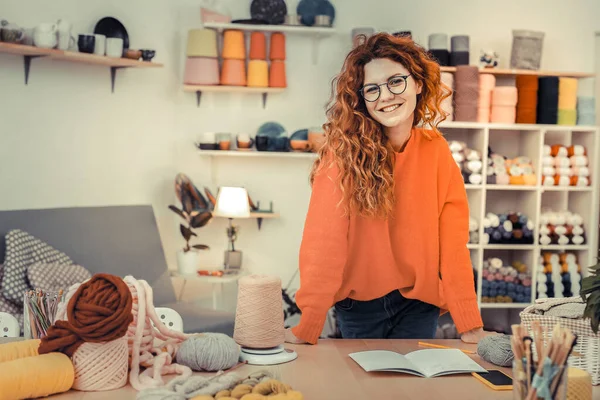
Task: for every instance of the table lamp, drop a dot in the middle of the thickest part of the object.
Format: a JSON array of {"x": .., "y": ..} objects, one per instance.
[{"x": 232, "y": 202}]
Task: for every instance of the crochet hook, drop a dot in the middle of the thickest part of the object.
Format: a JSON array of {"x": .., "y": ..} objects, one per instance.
[{"x": 438, "y": 346}]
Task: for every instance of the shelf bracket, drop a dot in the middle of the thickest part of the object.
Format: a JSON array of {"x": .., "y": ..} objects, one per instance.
[
  {"x": 113, "y": 77},
  {"x": 198, "y": 98},
  {"x": 27, "y": 66},
  {"x": 264, "y": 100}
]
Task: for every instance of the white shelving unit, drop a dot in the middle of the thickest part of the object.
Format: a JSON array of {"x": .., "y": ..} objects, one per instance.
[
  {"x": 528, "y": 140},
  {"x": 511, "y": 141}
]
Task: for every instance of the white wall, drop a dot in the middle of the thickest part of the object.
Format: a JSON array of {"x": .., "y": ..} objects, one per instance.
[{"x": 65, "y": 140}]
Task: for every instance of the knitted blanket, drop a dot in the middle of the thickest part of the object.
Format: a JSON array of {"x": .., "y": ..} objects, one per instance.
[{"x": 568, "y": 307}]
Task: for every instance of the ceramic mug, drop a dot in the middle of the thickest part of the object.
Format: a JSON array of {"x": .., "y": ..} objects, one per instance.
[
  {"x": 244, "y": 141},
  {"x": 86, "y": 43},
  {"x": 224, "y": 141},
  {"x": 44, "y": 36},
  {"x": 100, "y": 47},
  {"x": 114, "y": 47}
]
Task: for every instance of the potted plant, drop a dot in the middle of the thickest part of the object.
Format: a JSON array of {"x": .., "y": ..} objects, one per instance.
[
  {"x": 196, "y": 212},
  {"x": 590, "y": 294}
]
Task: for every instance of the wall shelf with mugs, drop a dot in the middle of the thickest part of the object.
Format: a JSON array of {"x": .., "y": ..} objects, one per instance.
[
  {"x": 317, "y": 32},
  {"x": 199, "y": 89},
  {"x": 256, "y": 153},
  {"x": 114, "y": 63}
]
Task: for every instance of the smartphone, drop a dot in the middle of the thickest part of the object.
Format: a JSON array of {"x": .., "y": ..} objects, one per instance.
[{"x": 495, "y": 379}]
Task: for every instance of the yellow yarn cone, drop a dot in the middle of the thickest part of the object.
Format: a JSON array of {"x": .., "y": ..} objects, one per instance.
[{"x": 21, "y": 349}]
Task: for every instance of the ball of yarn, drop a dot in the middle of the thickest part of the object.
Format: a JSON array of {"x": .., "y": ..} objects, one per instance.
[
  {"x": 101, "y": 366},
  {"x": 209, "y": 352},
  {"x": 496, "y": 349}
]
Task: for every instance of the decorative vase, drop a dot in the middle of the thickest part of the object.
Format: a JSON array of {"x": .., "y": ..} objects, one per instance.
[{"x": 188, "y": 262}]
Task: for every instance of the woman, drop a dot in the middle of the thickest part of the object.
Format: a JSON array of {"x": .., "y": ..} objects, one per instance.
[{"x": 385, "y": 237}]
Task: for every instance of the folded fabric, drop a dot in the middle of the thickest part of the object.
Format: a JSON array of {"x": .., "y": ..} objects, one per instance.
[
  {"x": 567, "y": 307},
  {"x": 567, "y": 93},
  {"x": 567, "y": 117},
  {"x": 7, "y": 306},
  {"x": 23, "y": 250},
  {"x": 53, "y": 277}
]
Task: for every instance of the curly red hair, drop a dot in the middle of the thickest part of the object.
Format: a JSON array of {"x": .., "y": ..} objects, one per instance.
[{"x": 355, "y": 142}]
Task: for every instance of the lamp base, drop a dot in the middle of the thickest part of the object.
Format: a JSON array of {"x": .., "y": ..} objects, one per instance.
[{"x": 233, "y": 260}]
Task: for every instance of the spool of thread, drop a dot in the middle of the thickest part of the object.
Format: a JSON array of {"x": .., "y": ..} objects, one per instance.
[
  {"x": 579, "y": 386},
  {"x": 466, "y": 96},
  {"x": 438, "y": 41},
  {"x": 547, "y": 107},
  {"x": 259, "y": 313},
  {"x": 34, "y": 377},
  {"x": 209, "y": 352},
  {"x": 567, "y": 93},
  {"x": 21, "y": 349},
  {"x": 459, "y": 43},
  {"x": 101, "y": 366},
  {"x": 527, "y": 87}
]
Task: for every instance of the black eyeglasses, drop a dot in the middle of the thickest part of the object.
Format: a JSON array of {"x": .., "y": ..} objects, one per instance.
[{"x": 396, "y": 85}]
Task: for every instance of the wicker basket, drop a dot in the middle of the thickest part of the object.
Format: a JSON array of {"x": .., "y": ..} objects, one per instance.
[{"x": 588, "y": 343}]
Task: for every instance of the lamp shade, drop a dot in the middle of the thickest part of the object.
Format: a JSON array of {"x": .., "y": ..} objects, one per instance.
[{"x": 232, "y": 202}]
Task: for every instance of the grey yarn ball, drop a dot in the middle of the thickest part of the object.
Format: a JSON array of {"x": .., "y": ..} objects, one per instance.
[
  {"x": 209, "y": 352},
  {"x": 496, "y": 349}
]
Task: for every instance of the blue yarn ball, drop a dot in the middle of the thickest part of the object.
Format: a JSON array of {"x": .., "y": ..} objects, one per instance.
[
  {"x": 489, "y": 230},
  {"x": 512, "y": 295},
  {"x": 502, "y": 285},
  {"x": 494, "y": 285},
  {"x": 501, "y": 292},
  {"x": 511, "y": 287},
  {"x": 520, "y": 289},
  {"x": 566, "y": 278},
  {"x": 493, "y": 293},
  {"x": 496, "y": 235},
  {"x": 485, "y": 292},
  {"x": 485, "y": 284},
  {"x": 527, "y": 292},
  {"x": 502, "y": 218}
]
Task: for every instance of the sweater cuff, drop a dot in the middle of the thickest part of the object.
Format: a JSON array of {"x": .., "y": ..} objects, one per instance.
[
  {"x": 310, "y": 327},
  {"x": 466, "y": 315}
]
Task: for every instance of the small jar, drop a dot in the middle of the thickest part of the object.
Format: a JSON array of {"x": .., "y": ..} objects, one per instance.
[{"x": 520, "y": 389}]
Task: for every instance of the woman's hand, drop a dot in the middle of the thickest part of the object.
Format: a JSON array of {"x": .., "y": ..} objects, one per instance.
[
  {"x": 291, "y": 338},
  {"x": 475, "y": 335}
]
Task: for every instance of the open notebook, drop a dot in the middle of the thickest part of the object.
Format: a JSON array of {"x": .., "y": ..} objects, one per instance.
[{"x": 426, "y": 363}]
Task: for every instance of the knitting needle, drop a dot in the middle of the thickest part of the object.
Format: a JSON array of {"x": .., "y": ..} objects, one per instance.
[
  {"x": 527, "y": 341},
  {"x": 437, "y": 346}
]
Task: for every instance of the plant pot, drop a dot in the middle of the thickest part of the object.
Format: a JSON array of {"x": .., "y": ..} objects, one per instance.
[{"x": 188, "y": 262}]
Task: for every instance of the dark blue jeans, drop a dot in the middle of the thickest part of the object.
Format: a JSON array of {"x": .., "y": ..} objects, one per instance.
[{"x": 389, "y": 317}]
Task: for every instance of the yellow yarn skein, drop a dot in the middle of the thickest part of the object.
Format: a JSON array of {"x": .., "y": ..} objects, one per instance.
[
  {"x": 20, "y": 349},
  {"x": 38, "y": 376}
]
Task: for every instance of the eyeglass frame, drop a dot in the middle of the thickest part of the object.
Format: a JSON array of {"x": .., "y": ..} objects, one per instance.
[{"x": 387, "y": 83}]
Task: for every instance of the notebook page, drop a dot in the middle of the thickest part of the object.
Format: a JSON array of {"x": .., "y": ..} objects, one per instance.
[
  {"x": 382, "y": 360},
  {"x": 436, "y": 362}
]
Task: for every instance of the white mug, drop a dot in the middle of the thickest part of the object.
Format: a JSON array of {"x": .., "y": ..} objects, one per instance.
[
  {"x": 100, "y": 45},
  {"x": 114, "y": 47},
  {"x": 243, "y": 137},
  {"x": 65, "y": 40}
]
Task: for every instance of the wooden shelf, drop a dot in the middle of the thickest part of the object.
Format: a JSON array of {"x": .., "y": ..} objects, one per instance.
[
  {"x": 255, "y": 153},
  {"x": 199, "y": 89},
  {"x": 30, "y": 52},
  {"x": 504, "y": 305},
  {"x": 514, "y": 72},
  {"x": 309, "y": 30}
]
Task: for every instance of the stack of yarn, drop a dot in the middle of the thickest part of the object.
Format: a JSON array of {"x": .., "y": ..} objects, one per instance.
[
  {"x": 448, "y": 103},
  {"x": 567, "y": 101},
  {"x": 505, "y": 171},
  {"x": 586, "y": 110},
  {"x": 466, "y": 93},
  {"x": 527, "y": 88},
  {"x": 507, "y": 228},
  {"x": 547, "y": 101},
  {"x": 561, "y": 228},
  {"x": 258, "y": 75},
  {"x": 473, "y": 230},
  {"x": 233, "y": 72},
  {"x": 202, "y": 62},
  {"x": 487, "y": 82},
  {"x": 504, "y": 103},
  {"x": 459, "y": 50},
  {"x": 469, "y": 162},
  {"x": 438, "y": 48},
  {"x": 277, "y": 74},
  {"x": 559, "y": 275},
  {"x": 565, "y": 166},
  {"x": 505, "y": 283}
]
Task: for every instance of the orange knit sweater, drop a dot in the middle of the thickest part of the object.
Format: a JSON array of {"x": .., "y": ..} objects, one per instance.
[{"x": 422, "y": 251}]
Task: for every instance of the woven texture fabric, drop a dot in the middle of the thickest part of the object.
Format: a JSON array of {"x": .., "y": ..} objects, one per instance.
[
  {"x": 53, "y": 277},
  {"x": 23, "y": 250}
]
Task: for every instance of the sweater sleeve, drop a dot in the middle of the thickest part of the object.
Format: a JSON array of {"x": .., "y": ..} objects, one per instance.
[
  {"x": 455, "y": 260},
  {"x": 323, "y": 255}
]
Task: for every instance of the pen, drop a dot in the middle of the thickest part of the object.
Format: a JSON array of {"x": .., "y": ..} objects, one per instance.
[{"x": 437, "y": 346}]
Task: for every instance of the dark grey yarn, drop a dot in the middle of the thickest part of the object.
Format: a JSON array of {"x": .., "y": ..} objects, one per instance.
[{"x": 496, "y": 349}]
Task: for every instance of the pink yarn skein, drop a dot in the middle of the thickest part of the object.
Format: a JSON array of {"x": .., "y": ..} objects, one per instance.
[{"x": 144, "y": 352}]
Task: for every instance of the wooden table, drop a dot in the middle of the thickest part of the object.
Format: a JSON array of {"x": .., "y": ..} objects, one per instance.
[{"x": 325, "y": 372}]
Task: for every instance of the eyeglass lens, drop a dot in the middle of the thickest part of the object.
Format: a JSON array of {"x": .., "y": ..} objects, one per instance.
[{"x": 396, "y": 85}]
